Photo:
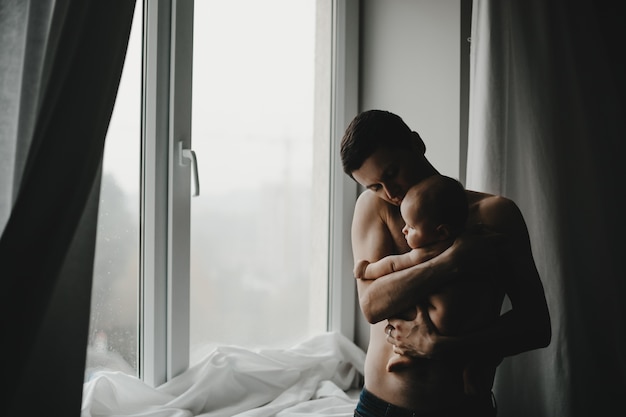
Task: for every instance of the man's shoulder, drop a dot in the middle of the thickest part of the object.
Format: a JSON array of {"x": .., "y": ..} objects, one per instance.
[
  {"x": 370, "y": 202},
  {"x": 497, "y": 205},
  {"x": 370, "y": 209},
  {"x": 486, "y": 200},
  {"x": 495, "y": 211}
]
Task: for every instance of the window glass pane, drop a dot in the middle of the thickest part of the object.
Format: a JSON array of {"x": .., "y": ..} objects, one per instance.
[
  {"x": 113, "y": 329},
  {"x": 251, "y": 277}
]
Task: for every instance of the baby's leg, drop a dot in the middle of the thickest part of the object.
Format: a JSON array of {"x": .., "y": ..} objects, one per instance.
[{"x": 398, "y": 361}]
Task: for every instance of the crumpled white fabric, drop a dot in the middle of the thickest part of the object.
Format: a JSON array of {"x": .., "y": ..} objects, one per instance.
[{"x": 313, "y": 378}]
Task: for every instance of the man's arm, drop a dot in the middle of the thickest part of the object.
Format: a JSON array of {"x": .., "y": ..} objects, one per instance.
[
  {"x": 394, "y": 293},
  {"x": 525, "y": 327}
]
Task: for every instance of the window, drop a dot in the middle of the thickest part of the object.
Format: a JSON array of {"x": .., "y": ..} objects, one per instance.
[
  {"x": 259, "y": 92},
  {"x": 252, "y": 129},
  {"x": 114, "y": 323}
]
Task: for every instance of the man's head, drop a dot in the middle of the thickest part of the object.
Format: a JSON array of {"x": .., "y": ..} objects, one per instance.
[
  {"x": 372, "y": 130},
  {"x": 434, "y": 210},
  {"x": 381, "y": 153}
]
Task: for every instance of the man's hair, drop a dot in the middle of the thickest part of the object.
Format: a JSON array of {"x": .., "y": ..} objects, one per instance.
[
  {"x": 370, "y": 131},
  {"x": 443, "y": 200}
]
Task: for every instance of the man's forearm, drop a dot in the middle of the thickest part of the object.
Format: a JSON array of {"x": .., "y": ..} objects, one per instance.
[{"x": 512, "y": 333}]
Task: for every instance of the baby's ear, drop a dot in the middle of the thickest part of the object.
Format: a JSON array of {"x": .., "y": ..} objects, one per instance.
[{"x": 443, "y": 230}]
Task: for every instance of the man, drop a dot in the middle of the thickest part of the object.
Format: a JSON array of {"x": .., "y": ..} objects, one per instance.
[{"x": 381, "y": 153}]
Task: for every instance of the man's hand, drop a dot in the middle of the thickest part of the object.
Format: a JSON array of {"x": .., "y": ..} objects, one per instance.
[{"x": 417, "y": 337}]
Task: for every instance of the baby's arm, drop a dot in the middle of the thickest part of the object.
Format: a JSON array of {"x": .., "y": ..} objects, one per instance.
[{"x": 387, "y": 265}]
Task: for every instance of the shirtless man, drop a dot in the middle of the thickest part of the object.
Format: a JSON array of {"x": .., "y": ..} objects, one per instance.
[{"x": 381, "y": 153}]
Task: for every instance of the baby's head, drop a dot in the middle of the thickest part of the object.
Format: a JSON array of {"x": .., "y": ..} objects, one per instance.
[{"x": 434, "y": 210}]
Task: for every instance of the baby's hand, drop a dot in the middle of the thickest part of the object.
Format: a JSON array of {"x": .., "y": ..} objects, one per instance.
[{"x": 359, "y": 269}]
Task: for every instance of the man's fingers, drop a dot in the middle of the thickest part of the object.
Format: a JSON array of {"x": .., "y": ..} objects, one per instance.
[{"x": 398, "y": 350}]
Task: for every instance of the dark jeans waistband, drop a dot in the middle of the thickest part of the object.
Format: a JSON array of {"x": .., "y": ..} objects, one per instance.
[{"x": 370, "y": 405}]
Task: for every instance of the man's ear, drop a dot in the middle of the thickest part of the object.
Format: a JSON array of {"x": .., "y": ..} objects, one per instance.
[
  {"x": 418, "y": 143},
  {"x": 443, "y": 230}
]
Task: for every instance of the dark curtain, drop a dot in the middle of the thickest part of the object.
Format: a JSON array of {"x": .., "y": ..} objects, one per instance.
[
  {"x": 548, "y": 129},
  {"x": 47, "y": 246}
]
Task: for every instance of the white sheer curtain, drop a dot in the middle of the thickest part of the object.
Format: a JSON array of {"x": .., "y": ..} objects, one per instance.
[
  {"x": 24, "y": 36},
  {"x": 547, "y": 129}
]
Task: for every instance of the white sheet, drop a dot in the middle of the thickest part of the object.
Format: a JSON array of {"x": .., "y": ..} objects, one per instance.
[{"x": 319, "y": 377}]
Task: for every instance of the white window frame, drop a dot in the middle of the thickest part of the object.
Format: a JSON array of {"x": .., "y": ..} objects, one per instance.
[
  {"x": 166, "y": 191},
  {"x": 344, "y": 106},
  {"x": 165, "y": 204},
  {"x": 153, "y": 194}
]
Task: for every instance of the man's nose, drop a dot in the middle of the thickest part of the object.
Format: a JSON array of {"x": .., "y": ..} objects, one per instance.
[{"x": 391, "y": 191}]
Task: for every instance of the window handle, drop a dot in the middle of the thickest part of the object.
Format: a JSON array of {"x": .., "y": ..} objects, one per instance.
[{"x": 190, "y": 155}]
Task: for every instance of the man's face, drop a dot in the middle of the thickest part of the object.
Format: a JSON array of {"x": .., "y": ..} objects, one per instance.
[{"x": 391, "y": 172}]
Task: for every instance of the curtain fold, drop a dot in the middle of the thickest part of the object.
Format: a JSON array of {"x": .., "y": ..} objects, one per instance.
[
  {"x": 62, "y": 103},
  {"x": 547, "y": 129}
]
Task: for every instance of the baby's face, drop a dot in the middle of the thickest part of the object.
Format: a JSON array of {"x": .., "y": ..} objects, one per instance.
[{"x": 417, "y": 231}]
